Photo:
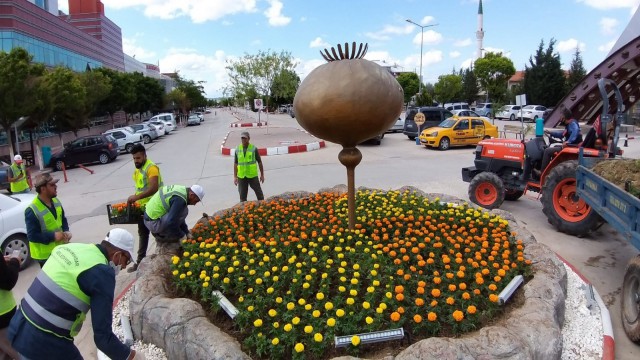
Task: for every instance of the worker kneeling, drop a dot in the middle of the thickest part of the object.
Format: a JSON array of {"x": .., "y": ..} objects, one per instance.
[{"x": 76, "y": 278}]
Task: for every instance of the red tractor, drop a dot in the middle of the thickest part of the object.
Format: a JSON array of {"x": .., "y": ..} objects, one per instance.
[{"x": 500, "y": 174}]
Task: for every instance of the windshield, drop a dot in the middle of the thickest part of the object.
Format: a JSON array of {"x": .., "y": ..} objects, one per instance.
[
  {"x": 505, "y": 108},
  {"x": 448, "y": 123},
  {"x": 529, "y": 107}
]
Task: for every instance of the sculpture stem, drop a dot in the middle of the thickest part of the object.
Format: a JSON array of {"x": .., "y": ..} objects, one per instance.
[{"x": 350, "y": 157}]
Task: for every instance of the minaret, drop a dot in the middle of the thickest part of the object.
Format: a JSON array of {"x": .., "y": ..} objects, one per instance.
[{"x": 480, "y": 32}]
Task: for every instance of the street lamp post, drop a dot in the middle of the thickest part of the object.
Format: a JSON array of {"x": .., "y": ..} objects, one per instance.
[{"x": 421, "y": 43}]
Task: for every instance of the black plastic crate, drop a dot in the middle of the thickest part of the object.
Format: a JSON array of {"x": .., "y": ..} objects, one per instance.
[{"x": 126, "y": 218}]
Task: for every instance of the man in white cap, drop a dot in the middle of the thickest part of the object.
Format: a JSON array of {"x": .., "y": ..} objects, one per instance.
[
  {"x": 167, "y": 210},
  {"x": 18, "y": 178},
  {"x": 77, "y": 278}
]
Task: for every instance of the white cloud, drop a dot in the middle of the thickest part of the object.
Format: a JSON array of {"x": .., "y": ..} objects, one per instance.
[
  {"x": 198, "y": 67},
  {"x": 131, "y": 48},
  {"x": 570, "y": 45},
  {"x": 199, "y": 11},
  {"x": 426, "y": 20},
  {"x": 607, "y": 25},
  {"x": 611, "y": 4},
  {"x": 454, "y": 54},
  {"x": 305, "y": 67},
  {"x": 462, "y": 43},
  {"x": 318, "y": 43},
  {"x": 430, "y": 38},
  {"x": 274, "y": 14},
  {"x": 607, "y": 47},
  {"x": 388, "y": 30}
]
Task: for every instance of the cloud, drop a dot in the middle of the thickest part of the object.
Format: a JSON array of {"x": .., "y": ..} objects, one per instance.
[
  {"x": 198, "y": 67},
  {"x": 131, "y": 48},
  {"x": 426, "y": 20},
  {"x": 570, "y": 45},
  {"x": 304, "y": 68},
  {"x": 388, "y": 30},
  {"x": 607, "y": 25},
  {"x": 318, "y": 43},
  {"x": 467, "y": 63},
  {"x": 454, "y": 54},
  {"x": 274, "y": 14},
  {"x": 430, "y": 38},
  {"x": 607, "y": 47},
  {"x": 611, "y": 4},
  {"x": 462, "y": 43},
  {"x": 487, "y": 49}
]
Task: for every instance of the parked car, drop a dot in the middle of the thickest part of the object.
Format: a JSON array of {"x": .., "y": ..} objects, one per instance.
[
  {"x": 532, "y": 112},
  {"x": 86, "y": 150},
  {"x": 457, "y": 106},
  {"x": 166, "y": 117},
  {"x": 148, "y": 133},
  {"x": 460, "y": 113},
  {"x": 193, "y": 120},
  {"x": 4, "y": 177},
  {"x": 484, "y": 109},
  {"x": 547, "y": 113},
  {"x": 13, "y": 227},
  {"x": 433, "y": 116},
  {"x": 200, "y": 115},
  {"x": 458, "y": 131},
  {"x": 157, "y": 125},
  {"x": 510, "y": 112},
  {"x": 398, "y": 126},
  {"x": 169, "y": 126},
  {"x": 126, "y": 138}
]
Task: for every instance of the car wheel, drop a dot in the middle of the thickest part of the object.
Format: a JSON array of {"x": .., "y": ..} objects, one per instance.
[
  {"x": 59, "y": 165},
  {"x": 146, "y": 139},
  {"x": 445, "y": 143},
  {"x": 512, "y": 117},
  {"x": 411, "y": 137},
  {"x": 18, "y": 242},
  {"x": 128, "y": 147},
  {"x": 104, "y": 158}
]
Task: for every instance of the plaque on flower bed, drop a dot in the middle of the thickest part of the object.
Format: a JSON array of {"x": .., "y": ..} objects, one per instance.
[{"x": 123, "y": 213}]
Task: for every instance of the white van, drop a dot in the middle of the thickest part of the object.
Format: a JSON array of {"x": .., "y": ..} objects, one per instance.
[
  {"x": 456, "y": 106},
  {"x": 167, "y": 118}
]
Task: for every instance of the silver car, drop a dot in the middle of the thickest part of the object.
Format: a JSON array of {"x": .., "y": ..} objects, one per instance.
[{"x": 148, "y": 133}]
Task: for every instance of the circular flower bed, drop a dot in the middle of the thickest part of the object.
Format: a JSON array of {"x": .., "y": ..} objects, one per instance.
[{"x": 299, "y": 276}]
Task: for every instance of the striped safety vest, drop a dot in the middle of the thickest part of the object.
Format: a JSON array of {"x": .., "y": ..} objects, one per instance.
[
  {"x": 141, "y": 180},
  {"x": 47, "y": 223},
  {"x": 158, "y": 205},
  {"x": 54, "y": 302},
  {"x": 247, "y": 166}
]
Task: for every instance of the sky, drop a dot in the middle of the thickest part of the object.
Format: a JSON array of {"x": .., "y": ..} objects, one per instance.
[{"x": 198, "y": 37}]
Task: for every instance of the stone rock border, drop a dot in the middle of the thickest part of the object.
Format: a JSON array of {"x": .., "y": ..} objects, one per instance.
[{"x": 532, "y": 331}]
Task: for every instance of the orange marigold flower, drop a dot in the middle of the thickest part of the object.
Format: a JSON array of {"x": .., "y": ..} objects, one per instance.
[
  {"x": 466, "y": 296},
  {"x": 435, "y": 292},
  {"x": 479, "y": 281},
  {"x": 437, "y": 280},
  {"x": 400, "y": 297},
  {"x": 422, "y": 283},
  {"x": 432, "y": 316},
  {"x": 417, "y": 318},
  {"x": 452, "y": 287},
  {"x": 420, "y": 290},
  {"x": 450, "y": 300},
  {"x": 419, "y": 302},
  {"x": 458, "y": 315},
  {"x": 399, "y": 289},
  {"x": 462, "y": 286},
  {"x": 471, "y": 309},
  {"x": 493, "y": 298},
  {"x": 493, "y": 287},
  {"x": 400, "y": 310},
  {"x": 395, "y": 316}
]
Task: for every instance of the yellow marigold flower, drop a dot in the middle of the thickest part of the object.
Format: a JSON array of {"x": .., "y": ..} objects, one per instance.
[
  {"x": 308, "y": 329},
  {"x": 316, "y": 313},
  {"x": 374, "y": 272},
  {"x": 276, "y": 324},
  {"x": 257, "y": 323},
  {"x": 366, "y": 305},
  {"x": 288, "y": 327},
  {"x": 389, "y": 295},
  {"x": 328, "y": 306},
  {"x": 205, "y": 284},
  {"x": 331, "y": 322},
  {"x": 279, "y": 300},
  {"x": 182, "y": 276},
  {"x": 317, "y": 337},
  {"x": 305, "y": 285},
  {"x": 290, "y": 306},
  {"x": 302, "y": 301},
  {"x": 258, "y": 281},
  {"x": 185, "y": 254},
  {"x": 350, "y": 301},
  {"x": 432, "y": 316},
  {"x": 354, "y": 281},
  {"x": 308, "y": 307},
  {"x": 342, "y": 288},
  {"x": 186, "y": 264},
  {"x": 458, "y": 315},
  {"x": 319, "y": 296},
  {"x": 353, "y": 292},
  {"x": 250, "y": 308},
  {"x": 275, "y": 341},
  {"x": 175, "y": 272},
  {"x": 369, "y": 320},
  {"x": 355, "y": 340},
  {"x": 339, "y": 313},
  {"x": 273, "y": 312},
  {"x": 299, "y": 347},
  {"x": 175, "y": 260}
]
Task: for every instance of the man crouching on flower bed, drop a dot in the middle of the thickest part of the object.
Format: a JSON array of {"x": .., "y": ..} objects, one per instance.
[{"x": 76, "y": 278}]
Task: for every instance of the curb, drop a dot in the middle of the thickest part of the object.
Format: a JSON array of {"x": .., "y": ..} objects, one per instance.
[
  {"x": 252, "y": 124},
  {"x": 608, "y": 342},
  {"x": 117, "y": 299},
  {"x": 276, "y": 150}
]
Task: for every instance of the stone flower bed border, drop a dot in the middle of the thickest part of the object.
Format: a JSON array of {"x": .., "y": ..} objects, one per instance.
[{"x": 532, "y": 331}]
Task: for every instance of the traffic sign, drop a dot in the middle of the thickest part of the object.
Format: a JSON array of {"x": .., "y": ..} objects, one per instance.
[
  {"x": 257, "y": 103},
  {"x": 419, "y": 119}
]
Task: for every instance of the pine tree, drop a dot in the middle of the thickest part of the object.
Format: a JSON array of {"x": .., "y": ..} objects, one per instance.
[
  {"x": 544, "y": 81},
  {"x": 577, "y": 71},
  {"x": 469, "y": 86}
]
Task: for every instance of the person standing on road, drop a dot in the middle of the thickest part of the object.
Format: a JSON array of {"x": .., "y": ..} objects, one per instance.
[
  {"x": 571, "y": 135},
  {"x": 47, "y": 225},
  {"x": 147, "y": 180},
  {"x": 167, "y": 210},
  {"x": 245, "y": 168},
  {"x": 9, "y": 270},
  {"x": 77, "y": 278},
  {"x": 18, "y": 179}
]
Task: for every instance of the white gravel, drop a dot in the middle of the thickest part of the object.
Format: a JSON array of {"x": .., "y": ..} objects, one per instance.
[{"x": 582, "y": 333}]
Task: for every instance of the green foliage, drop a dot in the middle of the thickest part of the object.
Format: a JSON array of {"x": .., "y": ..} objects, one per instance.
[
  {"x": 193, "y": 92},
  {"x": 448, "y": 88},
  {"x": 122, "y": 92},
  {"x": 544, "y": 81},
  {"x": 577, "y": 72},
  {"x": 410, "y": 84},
  {"x": 98, "y": 87},
  {"x": 69, "y": 98},
  {"x": 149, "y": 94},
  {"x": 178, "y": 99},
  {"x": 493, "y": 72},
  {"x": 469, "y": 86},
  {"x": 284, "y": 86}
]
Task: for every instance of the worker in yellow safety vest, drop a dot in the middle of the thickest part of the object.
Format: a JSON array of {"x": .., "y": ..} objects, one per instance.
[
  {"x": 18, "y": 180},
  {"x": 147, "y": 180},
  {"x": 47, "y": 226},
  {"x": 245, "y": 168}
]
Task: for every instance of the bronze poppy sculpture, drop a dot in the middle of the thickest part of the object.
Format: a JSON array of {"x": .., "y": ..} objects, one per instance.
[{"x": 347, "y": 101}]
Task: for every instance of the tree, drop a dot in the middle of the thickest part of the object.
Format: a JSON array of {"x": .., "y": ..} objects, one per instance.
[
  {"x": 40, "y": 97},
  {"x": 98, "y": 87},
  {"x": 193, "y": 92},
  {"x": 544, "y": 81},
  {"x": 121, "y": 92},
  {"x": 258, "y": 72},
  {"x": 410, "y": 83},
  {"x": 493, "y": 72},
  {"x": 469, "y": 85},
  {"x": 179, "y": 99},
  {"x": 17, "y": 81},
  {"x": 284, "y": 86},
  {"x": 69, "y": 98},
  {"x": 577, "y": 72},
  {"x": 448, "y": 88},
  {"x": 149, "y": 94}
]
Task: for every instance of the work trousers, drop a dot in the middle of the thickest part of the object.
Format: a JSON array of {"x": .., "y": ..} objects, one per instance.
[
  {"x": 243, "y": 188},
  {"x": 143, "y": 239}
]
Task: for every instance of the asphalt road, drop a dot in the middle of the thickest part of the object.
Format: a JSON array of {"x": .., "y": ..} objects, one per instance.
[{"x": 192, "y": 155}]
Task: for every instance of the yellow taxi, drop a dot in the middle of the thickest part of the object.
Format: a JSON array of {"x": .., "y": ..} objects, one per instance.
[{"x": 458, "y": 131}]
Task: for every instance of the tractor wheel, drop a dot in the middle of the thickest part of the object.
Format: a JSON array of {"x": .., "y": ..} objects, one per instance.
[
  {"x": 561, "y": 204},
  {"x": 630, "y": 306},
  {"x": 512, "y": 194},
  {"x": 487, "y": 190}
]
